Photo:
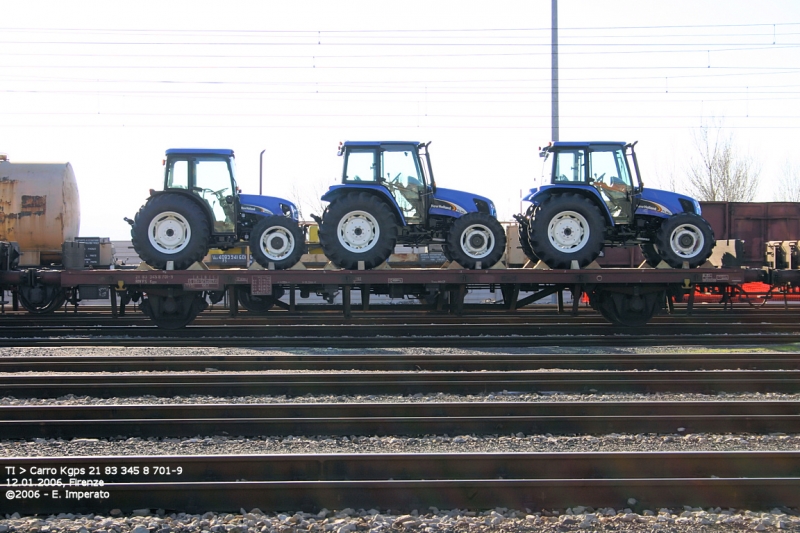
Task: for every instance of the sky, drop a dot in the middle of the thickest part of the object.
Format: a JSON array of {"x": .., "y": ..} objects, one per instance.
[{"x": 109, "y": 86}]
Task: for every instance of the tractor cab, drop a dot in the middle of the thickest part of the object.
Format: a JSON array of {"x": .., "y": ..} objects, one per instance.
[
  {"x": 402, "y": 168},
  {"x": 603, "y": 166},
  {"x": 208, "y": 174}
]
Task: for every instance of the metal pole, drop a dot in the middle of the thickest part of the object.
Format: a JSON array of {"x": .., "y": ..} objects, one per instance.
[
  {"x": 261, "y": 168},
  {"x": 554, "y": 70}
]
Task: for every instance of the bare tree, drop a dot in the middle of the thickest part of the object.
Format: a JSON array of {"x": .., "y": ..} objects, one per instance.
[
  {"x": 720, "y": 171},
  {"x": 307, "y": 199},
  {"x": 788, "y": 184}
]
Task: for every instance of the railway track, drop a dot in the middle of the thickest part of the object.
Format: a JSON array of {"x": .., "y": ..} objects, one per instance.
[
  {"x": 298, "y": 384},
  {"x": 412, "y": 481},
  {"x": 108, "y": 385},
  {"x": 754, "y": 480},
  {"x": 364, "y": 419},
  {"x": 464, "y": 362},
  {"x": 432, "y": 334}
]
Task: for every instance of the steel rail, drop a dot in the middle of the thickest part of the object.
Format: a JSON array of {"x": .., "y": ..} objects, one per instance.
[
  {"x": 362, "y": 419},
  {"x": 754, "y": 480},
  {"x": 373, "y": 316},
  {"x": 396, "y": 362},
  {"x": 204, "y": 340},
  {"x": 297, "y": 384}
]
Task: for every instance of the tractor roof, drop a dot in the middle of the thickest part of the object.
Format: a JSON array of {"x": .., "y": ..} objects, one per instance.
[
  {"x": 377, "y": 143},
  {"x": 213, "y": 151},
  {"x": 584, "y": 144}
]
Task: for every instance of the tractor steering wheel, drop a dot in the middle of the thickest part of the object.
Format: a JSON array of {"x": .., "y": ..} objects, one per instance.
[
  {"x": 215, "y": 193},
  {"x": 396, "y": 179}
]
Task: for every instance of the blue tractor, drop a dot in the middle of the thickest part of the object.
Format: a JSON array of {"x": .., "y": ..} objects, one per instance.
[
  {"x": 200, "y": 208},
  {"x": 595, "y": 198},
  {"x": 388, "y": 197}
]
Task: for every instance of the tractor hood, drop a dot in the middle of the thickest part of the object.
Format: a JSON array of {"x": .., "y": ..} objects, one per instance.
[
  {"x": 267, "y": 205},
  {"x": 666, "y": 203},
  {"x": 457, "y": 203}
]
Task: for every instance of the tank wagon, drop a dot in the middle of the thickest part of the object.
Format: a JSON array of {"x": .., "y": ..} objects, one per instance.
[{"x": 39, "y": 209}]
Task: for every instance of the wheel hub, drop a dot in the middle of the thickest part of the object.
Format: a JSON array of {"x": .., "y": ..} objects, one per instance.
[
  {"x": 169, "y": 232},
  {"x": 358, "y": 231},
  {"x": 277, "y": 243},
  {"x": 687, "y": 241},
  {"x": 477, "y": 241},
  {"x": 568, "y": 231}
]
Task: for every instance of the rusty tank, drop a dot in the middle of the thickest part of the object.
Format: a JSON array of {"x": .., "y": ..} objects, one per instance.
[{"x": 39, "y": 208}]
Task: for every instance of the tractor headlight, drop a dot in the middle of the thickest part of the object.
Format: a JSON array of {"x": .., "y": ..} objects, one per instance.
[
  {"x": 485, "y": 207},
  {"x": 690, "y": 205},
  {"x": 697, "y": 209},
  {"x": 289, "y": 210}
]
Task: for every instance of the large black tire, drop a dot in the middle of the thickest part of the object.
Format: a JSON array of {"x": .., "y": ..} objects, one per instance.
[
  {"x": 685, "y": 237},
  {"x": 277, "y": 240},
  {"x": 476, "y": 238},
  {"x": 170, "y": 227},
  {"x": 525, "y": 240},
  {"x": 358, "y": 227},
  {"x": 566, "y": 228},
  {"x": 650, "y": 254}
]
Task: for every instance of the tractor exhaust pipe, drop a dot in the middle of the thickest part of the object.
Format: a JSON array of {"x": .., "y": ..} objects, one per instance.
[{"x": 261, "y": 172}]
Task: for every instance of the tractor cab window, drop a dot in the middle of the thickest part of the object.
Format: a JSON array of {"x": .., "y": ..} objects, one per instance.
[
  {"x": 570, "y": 167},
  {"x": 360, "y": 166},
  {"x": 213, "y": 183},
  {"x": 178, "y": 174},
  {"x": 609, "y": 175},
  {"x": 402, "y": 176}
]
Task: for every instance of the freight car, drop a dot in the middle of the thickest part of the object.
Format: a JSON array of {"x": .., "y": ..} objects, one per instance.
[
  {"x": 39, "y": 209},
  {"x": 627, "y": 297}
]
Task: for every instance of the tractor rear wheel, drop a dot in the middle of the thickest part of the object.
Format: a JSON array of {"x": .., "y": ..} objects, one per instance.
[
  {"x": 525, "y": 240},
  {"x": 358, "y": 227},
  {"x": 277, "y": 240},
  {"x": 650, "y": 254},
  {"x": 567, "y": 228},
  {"x": 685, "y": 238},
  {"x": 476, "y": 238},
  {"x": 170, "y": 227}
]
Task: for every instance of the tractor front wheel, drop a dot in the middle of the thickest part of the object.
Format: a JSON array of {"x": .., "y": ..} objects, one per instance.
[
  {"x": 170, "y": 227},
  {"x": 685, "y": 238},
  {"x": 476, "y": 238},
  {"x": 277, "y": 240},
  {"x": 567, "y": 228},
  {"x": 358, "y": 227}
]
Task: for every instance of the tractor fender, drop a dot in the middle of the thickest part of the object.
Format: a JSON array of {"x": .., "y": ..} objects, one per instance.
[
  {"x": 537, "y": 196},
  {"x": 335, "y": 191},
  {"x": 193, "y": 197}
]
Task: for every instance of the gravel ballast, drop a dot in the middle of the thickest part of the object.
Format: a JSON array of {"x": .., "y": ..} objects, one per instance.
[{"x": 632, "y": 519}]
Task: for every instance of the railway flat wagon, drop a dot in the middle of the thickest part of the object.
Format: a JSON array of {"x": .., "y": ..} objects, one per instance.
[{"x": 173, "y": 298}]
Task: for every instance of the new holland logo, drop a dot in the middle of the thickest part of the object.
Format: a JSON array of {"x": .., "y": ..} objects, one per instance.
[
  {"x": 255, "y": 209},
  {"x": 652, "y": 206},
  {"x": 441, "y": 204}
]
